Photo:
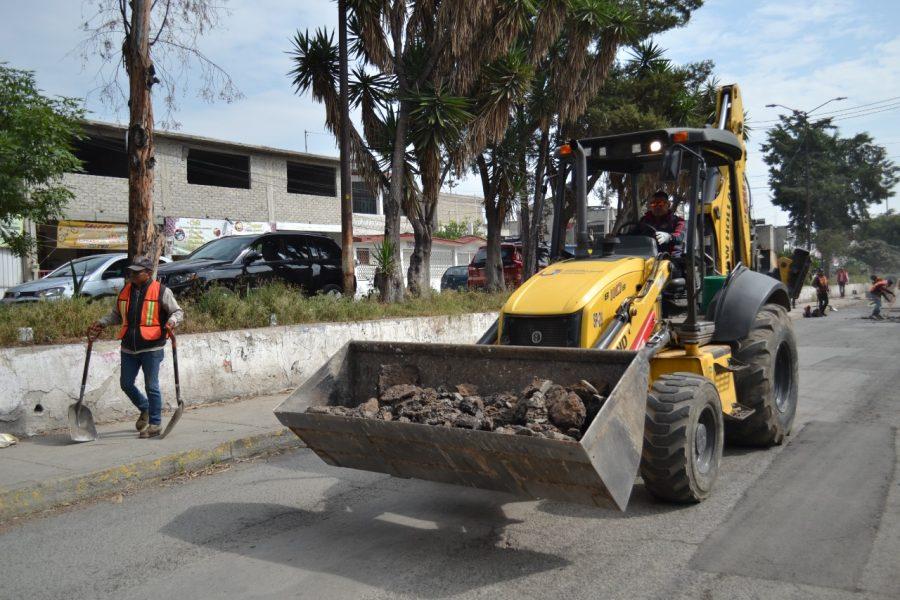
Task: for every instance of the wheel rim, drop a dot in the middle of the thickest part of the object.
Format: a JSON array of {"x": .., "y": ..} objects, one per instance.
[
  {"x": 705, "y": 441},
  {"x": 783, "y": 377}
]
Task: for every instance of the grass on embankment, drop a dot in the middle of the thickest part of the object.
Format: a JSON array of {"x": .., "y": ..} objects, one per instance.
[{"x": 63, "y": 321}]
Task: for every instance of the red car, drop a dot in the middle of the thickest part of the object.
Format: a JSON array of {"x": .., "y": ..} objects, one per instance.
[{"x": 513, "y": 264}]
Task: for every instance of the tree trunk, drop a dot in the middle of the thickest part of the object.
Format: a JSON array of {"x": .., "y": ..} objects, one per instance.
[
  {"x": 393, "y": 283},
  {"x": 537, "y": 217},
  {"x": 524, "y": 213},
  {"x": 419, "y": 272},
  {"x": 348, "y": 258},
  {"x": 142, "y": 238},
  {"x": 493, "y": 266}
]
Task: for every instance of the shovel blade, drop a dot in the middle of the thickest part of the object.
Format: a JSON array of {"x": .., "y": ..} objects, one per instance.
[
  {"x": 81, "y": 424},
  {"x": 173, "y": 421}
]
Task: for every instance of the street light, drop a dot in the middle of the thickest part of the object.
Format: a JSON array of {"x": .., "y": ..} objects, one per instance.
[{"x": 803, "y": 116}]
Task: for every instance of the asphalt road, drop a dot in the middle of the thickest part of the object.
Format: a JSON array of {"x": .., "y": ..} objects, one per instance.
[{"x": 817, "y": 518}]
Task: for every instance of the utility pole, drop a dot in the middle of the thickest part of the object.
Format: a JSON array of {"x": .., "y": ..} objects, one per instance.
[
  {"x": 347, "y": 255},
  {"x": 802, "y": 116},
  {"x": 141, "y": 77},
  {"x": 806, "y": 183}
]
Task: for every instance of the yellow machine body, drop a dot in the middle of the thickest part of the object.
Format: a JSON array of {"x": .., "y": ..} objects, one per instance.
[{"x": 599, "y": 289}]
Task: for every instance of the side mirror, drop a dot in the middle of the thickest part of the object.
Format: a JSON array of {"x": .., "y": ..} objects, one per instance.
[
  {"x": 671, "y": 164},
  {"x": 251, "y": 257}
]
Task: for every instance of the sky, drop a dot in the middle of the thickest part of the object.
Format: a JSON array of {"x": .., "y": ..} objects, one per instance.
[{"x": 792, "y": 52}]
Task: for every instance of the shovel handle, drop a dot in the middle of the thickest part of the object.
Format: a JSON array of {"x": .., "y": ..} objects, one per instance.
[
  {"x": 87, "y": 363},
  {"x": 175, "y": 366}
]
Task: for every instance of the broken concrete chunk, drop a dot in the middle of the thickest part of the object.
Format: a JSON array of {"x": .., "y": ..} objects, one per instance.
[
  {"x": 369, "y": 409},
  {"x": 567, "y": 411},
  {"x": 400, "y": 392},
  {"x": 397, "y": 374},
  {"x": 467, "y": 389},
  {"x": 543, "y": 409}
]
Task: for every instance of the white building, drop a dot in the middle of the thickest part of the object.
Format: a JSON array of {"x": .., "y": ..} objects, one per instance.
[{"x": 204, "y": 188}]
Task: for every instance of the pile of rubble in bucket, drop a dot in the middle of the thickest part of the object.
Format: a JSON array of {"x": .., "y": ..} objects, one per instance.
[{"x": 543, "y": 409}]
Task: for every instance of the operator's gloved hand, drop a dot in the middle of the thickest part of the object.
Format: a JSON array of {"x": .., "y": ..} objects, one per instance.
[{"x": 663, "y": 238}]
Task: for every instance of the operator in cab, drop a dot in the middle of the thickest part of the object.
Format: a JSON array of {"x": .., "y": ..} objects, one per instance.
[{"x": 669, "y": 226}]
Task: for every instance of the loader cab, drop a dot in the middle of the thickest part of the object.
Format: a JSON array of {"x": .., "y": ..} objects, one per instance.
[{"x": 700, "y": 166}]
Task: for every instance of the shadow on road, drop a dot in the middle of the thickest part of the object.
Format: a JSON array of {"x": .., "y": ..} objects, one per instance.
[{"x": 433, "y": 546}]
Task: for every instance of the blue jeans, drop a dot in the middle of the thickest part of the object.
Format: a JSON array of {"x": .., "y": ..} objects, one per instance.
[
  {"x": 148, "y": 362},
  {"x": 876, "y": 311}
]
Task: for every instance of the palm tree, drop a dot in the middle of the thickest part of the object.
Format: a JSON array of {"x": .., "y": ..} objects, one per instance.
[
  {"x": 571, "y": 47},
  {"x": 418, "y": 64}
]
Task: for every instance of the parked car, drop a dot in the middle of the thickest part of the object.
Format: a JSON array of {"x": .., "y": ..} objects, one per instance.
[
  {"x": 241, "y": 263},
  {"x": 100, "y": 275},
  {"x": 513, "y": 265},
  {"x": 455, "y": 278}
]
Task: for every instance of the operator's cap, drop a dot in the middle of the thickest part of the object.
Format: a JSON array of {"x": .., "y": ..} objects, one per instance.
[
  {"x": 659, "y": 194},
  {"x": 141, "y": 263}
]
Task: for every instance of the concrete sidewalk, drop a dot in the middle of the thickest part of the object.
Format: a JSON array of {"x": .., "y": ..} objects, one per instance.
[{"x": 49, "y": 471}]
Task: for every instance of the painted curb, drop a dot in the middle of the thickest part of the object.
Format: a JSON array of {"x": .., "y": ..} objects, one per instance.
[{"x": 59, "y": 492}]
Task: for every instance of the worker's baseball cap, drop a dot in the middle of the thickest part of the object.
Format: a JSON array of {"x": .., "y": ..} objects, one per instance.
[
  {"x": 659, "y": 195},
  {"x": 141, "y": 263}
]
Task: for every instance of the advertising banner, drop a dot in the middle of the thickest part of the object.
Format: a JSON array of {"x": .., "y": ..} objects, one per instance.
[
  {"x": 13, "y": 226},
  {"x": 90, "y": 235},
  {"x": 189, "y": 234}
]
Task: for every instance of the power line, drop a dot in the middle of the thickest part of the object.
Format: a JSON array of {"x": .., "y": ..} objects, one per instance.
[
  {"x": 866, "y": 114},
  {"x": 842, "y": 110}
]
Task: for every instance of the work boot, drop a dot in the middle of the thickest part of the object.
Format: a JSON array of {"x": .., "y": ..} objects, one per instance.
[
  {"x": 150, "y": 432},
  {"x": 141, "y": 423}
]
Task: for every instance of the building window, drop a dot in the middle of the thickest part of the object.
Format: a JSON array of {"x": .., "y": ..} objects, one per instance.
[
  {"x": 364, "y": 256},
  {"x": 102, "y": 155},
  {"x": 221, "y": 170},
  {"x": 315, "y": 180},
  {"x": 363, "y": 199}
]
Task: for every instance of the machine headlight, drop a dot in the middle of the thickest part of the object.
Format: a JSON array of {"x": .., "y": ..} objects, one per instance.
[
  {"x": 182, "y": 278},
  {"x": 54, "y": 292},
  {"x": 655, "y": 146}
]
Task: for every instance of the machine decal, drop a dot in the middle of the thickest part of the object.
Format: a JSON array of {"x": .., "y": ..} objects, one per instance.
[{"x": 644, "y": 333}]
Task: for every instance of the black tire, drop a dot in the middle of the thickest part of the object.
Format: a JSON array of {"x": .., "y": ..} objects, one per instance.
[
  {"x": 769, "y": 383},
  {"x": 683, "y": 438}
]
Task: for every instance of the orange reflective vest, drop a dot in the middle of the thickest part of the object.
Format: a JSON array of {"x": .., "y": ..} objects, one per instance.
[{"x": 150, "y": 326}]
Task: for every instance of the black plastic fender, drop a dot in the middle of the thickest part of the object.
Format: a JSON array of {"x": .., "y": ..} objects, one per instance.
[{"x": 735, "y": 306}]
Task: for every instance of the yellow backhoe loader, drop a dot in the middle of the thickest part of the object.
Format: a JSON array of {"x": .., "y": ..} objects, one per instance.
[{"x": 688, "y": 360}]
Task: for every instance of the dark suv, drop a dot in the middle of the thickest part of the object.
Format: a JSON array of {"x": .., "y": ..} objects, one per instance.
[{"x": 241, "y": 263}]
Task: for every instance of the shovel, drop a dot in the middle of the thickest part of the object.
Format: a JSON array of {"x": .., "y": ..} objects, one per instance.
[
  {"x": 81, "y": 421},
  {"x": 180, "y": 409}
]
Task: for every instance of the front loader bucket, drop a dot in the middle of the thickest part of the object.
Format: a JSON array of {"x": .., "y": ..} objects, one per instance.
[{"x": 599, "y": 470}]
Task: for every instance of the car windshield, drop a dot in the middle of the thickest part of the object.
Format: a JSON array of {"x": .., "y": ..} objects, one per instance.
[
  {"x": 83, "y": 267},
  {"x": 226, "y": 249}
]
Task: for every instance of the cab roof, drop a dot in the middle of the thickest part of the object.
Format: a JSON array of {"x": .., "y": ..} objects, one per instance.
[{"x": 632, "y": 153}]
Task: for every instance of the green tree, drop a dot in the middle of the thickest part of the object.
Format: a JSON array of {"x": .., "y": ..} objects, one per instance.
[
  {"x": 453, "y": 230},
  {"x": 831, "y": 243},
  {"x": 884, "y": 227},
  {"x": 878, "y": 255},
  {"x": 572, "y": 46},
  {"x": 416, "y": 83},
  {"x": 36, "y": 133},
  {"x": 823, "y": 180}
]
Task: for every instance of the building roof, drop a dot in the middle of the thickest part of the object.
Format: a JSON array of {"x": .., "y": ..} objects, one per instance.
[{"x": 205, "y": 141}]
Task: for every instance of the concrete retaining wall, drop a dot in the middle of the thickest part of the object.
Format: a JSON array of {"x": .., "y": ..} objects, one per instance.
[{"x": 38, "y": 384}]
